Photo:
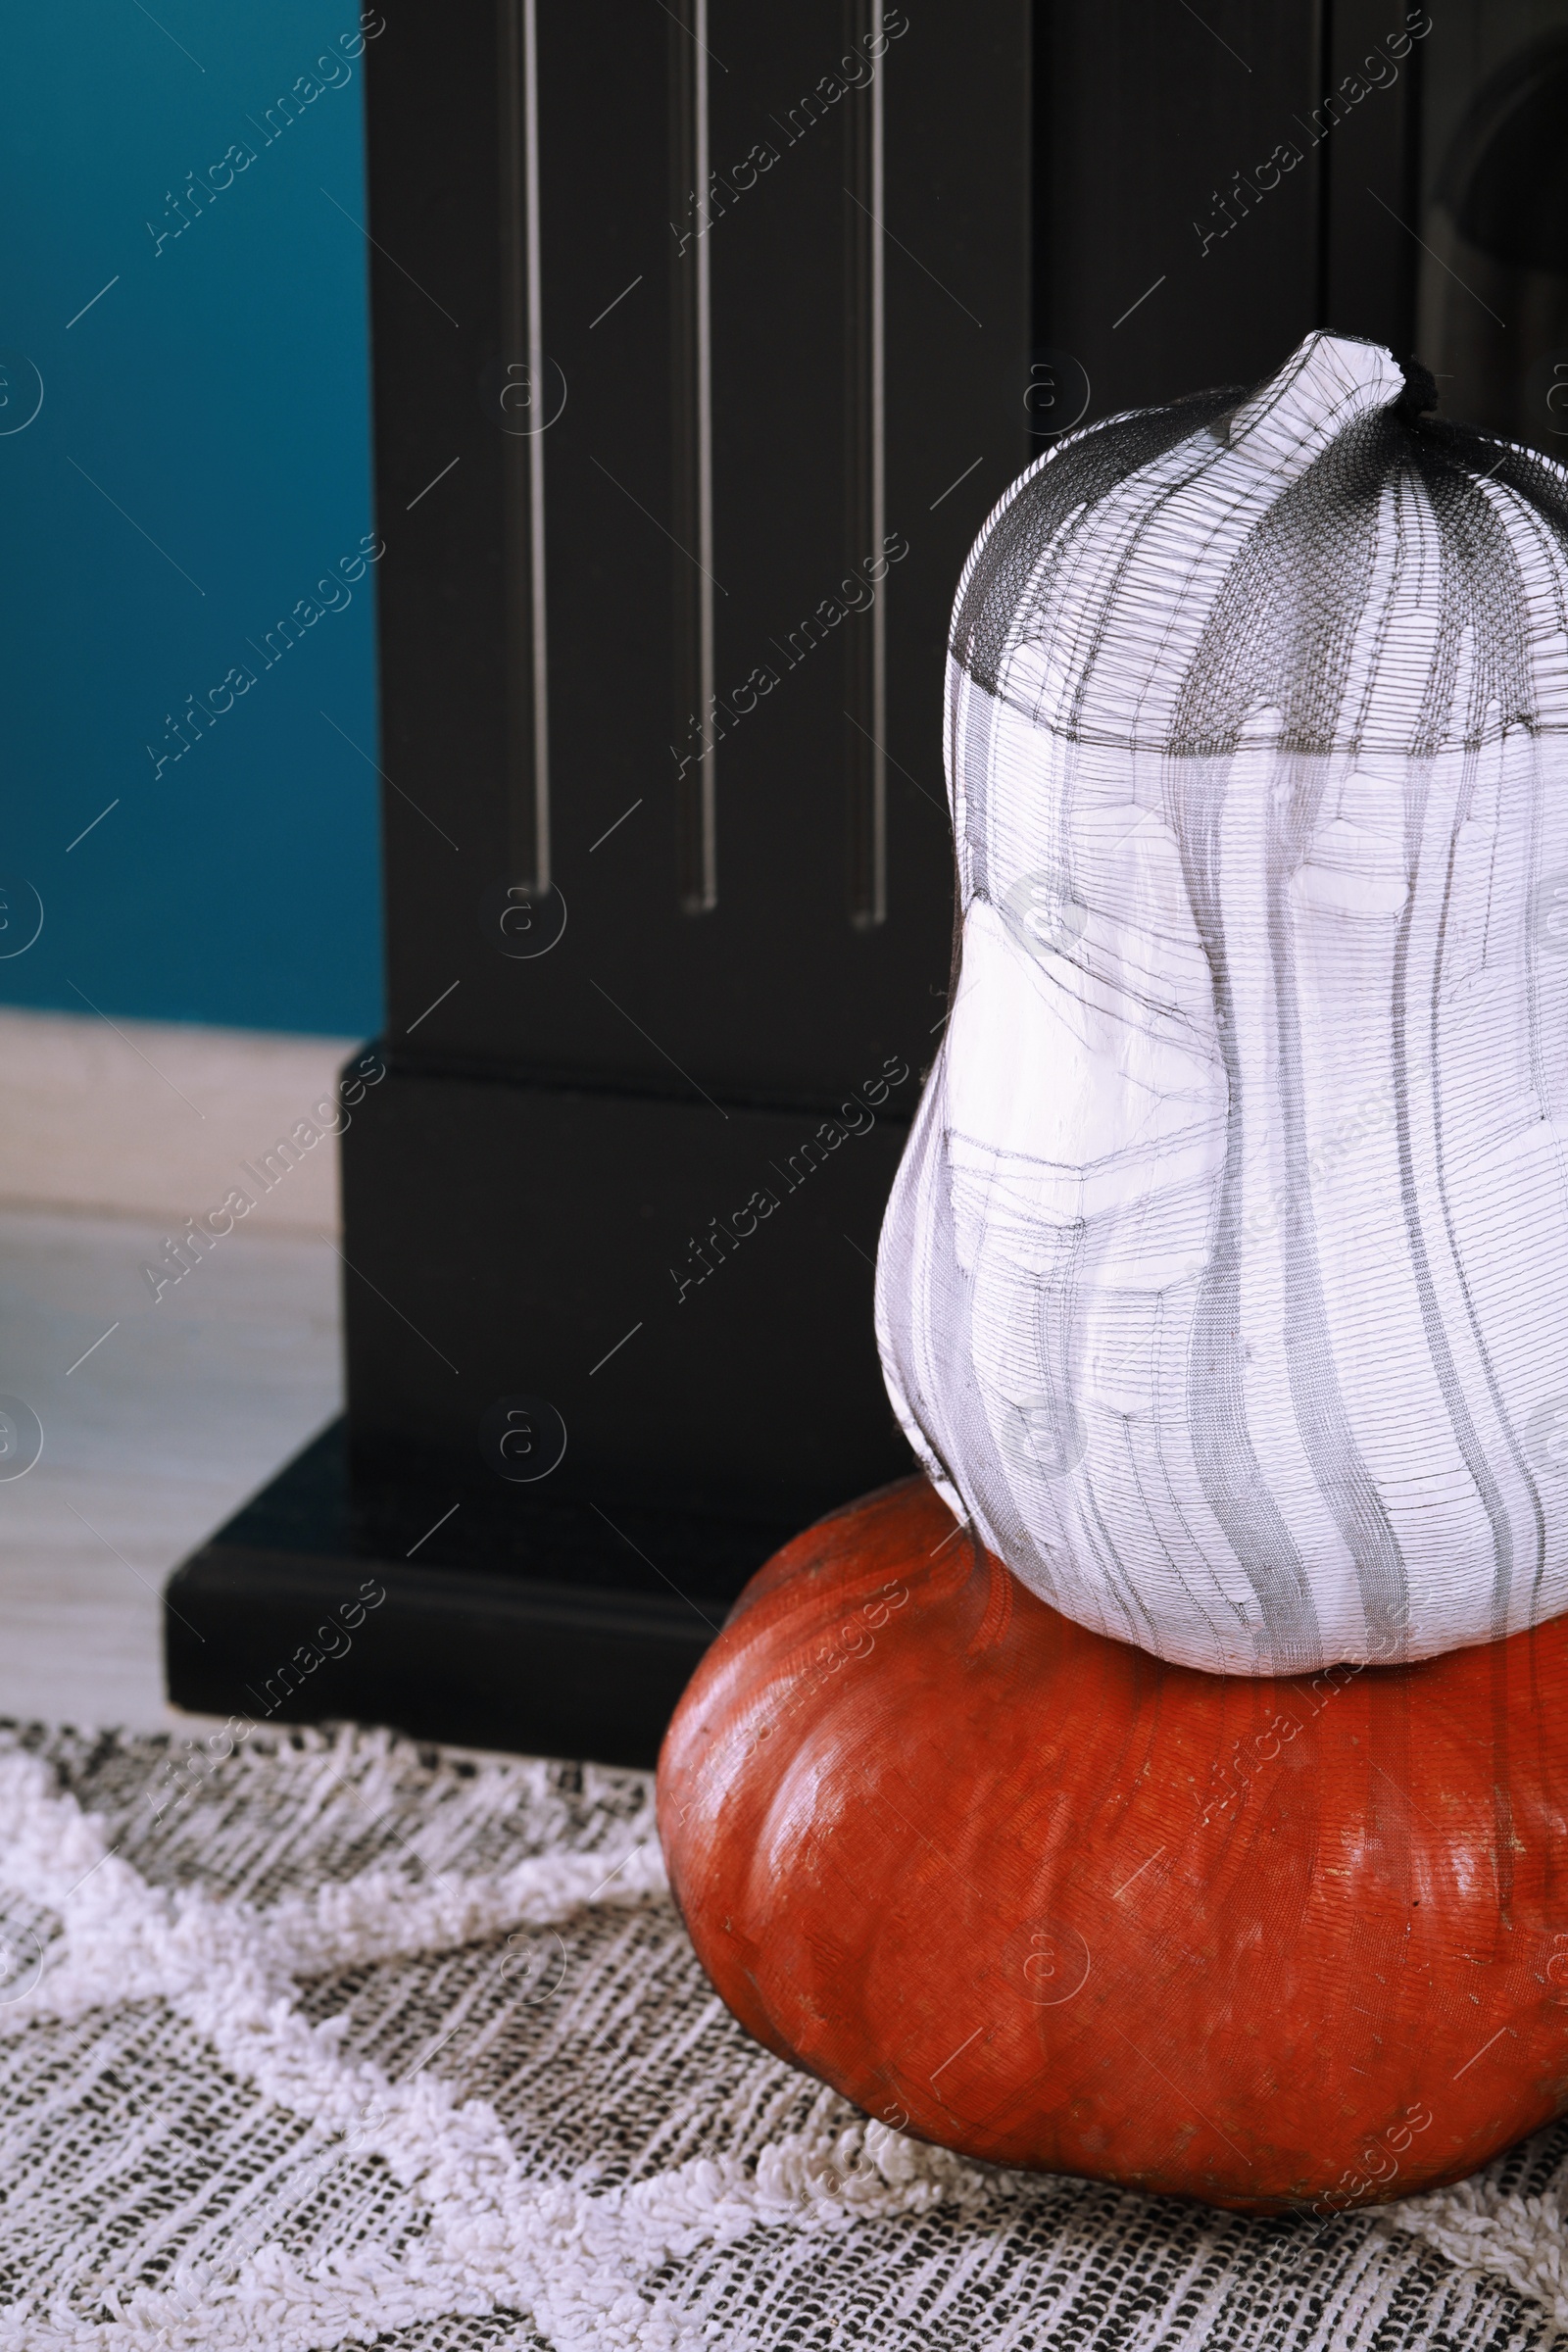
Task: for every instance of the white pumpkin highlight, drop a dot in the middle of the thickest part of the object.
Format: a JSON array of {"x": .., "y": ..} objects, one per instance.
[{"x": 1224, "y": 1283}]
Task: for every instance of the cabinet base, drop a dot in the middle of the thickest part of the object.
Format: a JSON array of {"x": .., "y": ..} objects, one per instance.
[{"x": 546, "y": 1628}]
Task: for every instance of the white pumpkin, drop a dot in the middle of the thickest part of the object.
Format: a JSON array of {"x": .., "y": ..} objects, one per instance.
[{"x": 1224, "y": 1285}]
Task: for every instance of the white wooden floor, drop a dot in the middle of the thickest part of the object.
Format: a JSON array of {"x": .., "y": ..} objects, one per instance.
[
  {"x": 152, "y": 1439},
  {"x": 148, "y": 1446}
]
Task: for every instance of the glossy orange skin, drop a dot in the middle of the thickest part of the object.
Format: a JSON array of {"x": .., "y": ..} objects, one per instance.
[{"x": 1035, "y": 1895}]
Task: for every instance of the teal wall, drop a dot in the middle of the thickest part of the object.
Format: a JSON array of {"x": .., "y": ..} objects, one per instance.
[{"x": 217, "y": 392}]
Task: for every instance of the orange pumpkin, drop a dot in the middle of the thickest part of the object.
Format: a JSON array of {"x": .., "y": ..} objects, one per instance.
[{"x": 1038, "y": 1897}]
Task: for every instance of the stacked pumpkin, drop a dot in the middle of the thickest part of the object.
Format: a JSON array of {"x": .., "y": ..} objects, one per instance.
[{"x": 1169, "y": 1786}]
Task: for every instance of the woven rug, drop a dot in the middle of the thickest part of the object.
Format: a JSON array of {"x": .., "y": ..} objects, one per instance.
[{"x": 331, "y": 2040}]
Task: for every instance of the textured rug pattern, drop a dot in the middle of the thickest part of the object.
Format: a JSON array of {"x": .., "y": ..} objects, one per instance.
[{"x": 333, "y": 2041}]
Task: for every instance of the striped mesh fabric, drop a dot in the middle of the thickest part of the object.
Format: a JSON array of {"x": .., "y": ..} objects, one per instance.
[{"x": 1221, "y": 1280}]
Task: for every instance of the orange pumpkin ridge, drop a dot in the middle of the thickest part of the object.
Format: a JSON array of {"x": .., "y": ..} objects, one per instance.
[{"x": 1038, "y": 1896}]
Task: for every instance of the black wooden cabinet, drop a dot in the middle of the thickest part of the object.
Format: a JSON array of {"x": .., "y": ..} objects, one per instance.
[{"x": 705, "y": 336}]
